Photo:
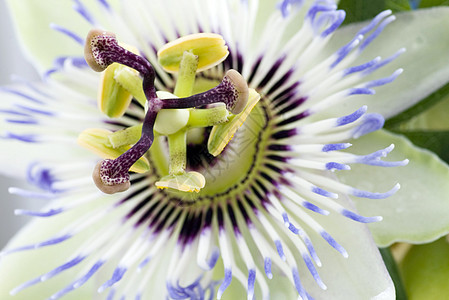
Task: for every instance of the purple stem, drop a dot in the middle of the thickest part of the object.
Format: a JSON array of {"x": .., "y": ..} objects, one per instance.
[
  {"x": 225, "y": 93},
  {"x": 124, "y": 162},
  {"x": 111, "y": 52}
]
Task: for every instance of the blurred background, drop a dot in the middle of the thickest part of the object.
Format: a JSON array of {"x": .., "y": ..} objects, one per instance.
[{"x": 11, "y": 62}]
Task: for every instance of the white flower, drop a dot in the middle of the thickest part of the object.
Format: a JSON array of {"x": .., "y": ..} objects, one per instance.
[{"x": 274, "y": 204}]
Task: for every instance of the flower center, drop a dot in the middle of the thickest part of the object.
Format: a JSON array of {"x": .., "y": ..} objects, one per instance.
[{"x": 168, "y": 117}]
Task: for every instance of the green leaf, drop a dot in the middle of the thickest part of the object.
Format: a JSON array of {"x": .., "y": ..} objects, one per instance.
[
  {"x": 397, "y": 5},
  {"x": 392, "y": 268},
  {"x": 361, "y": 10},
  {"x": 433, "y": 119},
  {"x": 425, "y": 270},
  {"x": 428, "y": 108},
  {"x": 435, "y": 141},
  {"x": 430, "y": 3},
  {"x": 419, "y": 211}
]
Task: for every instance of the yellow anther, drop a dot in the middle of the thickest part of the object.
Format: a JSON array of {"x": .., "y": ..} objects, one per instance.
[
  {"x": 113, "y": 98},
  {"x": 169, "y": 121},
  {"x": 97, "y": 140},
  {"x": 209, "y": 47},
  {"x": 222, "y": 134},
  {"x": 187, "y": 182}
]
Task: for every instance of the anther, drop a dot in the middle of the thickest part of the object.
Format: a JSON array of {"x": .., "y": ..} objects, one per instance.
[{"x": 210, "y": 49}]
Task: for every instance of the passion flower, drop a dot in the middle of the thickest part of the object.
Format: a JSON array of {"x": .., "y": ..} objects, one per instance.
[{"x": 253, "y": 131}]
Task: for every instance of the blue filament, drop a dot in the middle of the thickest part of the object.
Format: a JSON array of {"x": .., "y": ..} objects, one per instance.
[
  {"x": 314, "y": 208},
  {"x": 279, "y": 249},
  {"x": 52, "y": 241},
  {"x": 371, "y": 123},
  {"x": 27, "y": 138},
  {"x": 298, "y": 285},
  {"x": 313, "y": 270},
  {"x": 330, "y": 240},
  {"x": 79, "y": 7},
  {"x": 116, "y": 277},
  {"x": 346, "y": 49},
  {"x": 336, "y": 166},
  {"x": 376, "y": 33},
  {"x": 374, "y": 22},
  {"x": 359, "y": 218},
  {"x": 79, "y": 282},
  {"x": 335, "y": 147},
  {"x": 251, "y": 282},
  {"x": 267, "y": 267},
  {"x": 324, "y": 193},
  {"x": 339, "y": 17},
  {"x": 21, "y": 94},
  {"x": 68, "y": 33},
  {"x": 286, "y": 5},
  {"x": 351, "y": 118},
  {"x": 226, "y": 281},
  {"x": 361, "y": 67},
  {"x": 370, "y": 195},
  {"x": 43, "y": 214}
]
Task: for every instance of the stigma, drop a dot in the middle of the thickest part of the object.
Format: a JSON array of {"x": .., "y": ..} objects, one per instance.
[{"x": 127, "y": 76}]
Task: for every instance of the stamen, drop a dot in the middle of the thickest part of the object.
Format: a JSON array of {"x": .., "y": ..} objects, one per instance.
[
  {"x": 113, "y": 98},
  {"x": 111, "y": 145},
  {"x": 209, "y": 47},
  {"x": 208, "y": 117},
  {"x": 102, "y": 50},
  {"x": 187, "y": 182},
  {"x": 115, "y": 172},
  {"x": 221, "y": 134},
  {"x": 125, "y": 137}
]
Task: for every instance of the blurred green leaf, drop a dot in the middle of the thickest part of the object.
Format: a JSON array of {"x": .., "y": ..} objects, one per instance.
[
  {"x": 422, "y": 106},
  {"x": 435, "y": 141},
  {"x": 397, "y": 5},
  {"x": 393, "y": 270},
  {"x": 360, "y": 10},
  {"x": 425, "y": 271},
  {"x": 430, "y": 3},
  {"x": 435, "y": 118}
]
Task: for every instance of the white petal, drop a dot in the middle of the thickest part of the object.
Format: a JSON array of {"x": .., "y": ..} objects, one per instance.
[
  {"x": 418, "y": 212},
  {"x": 27, "y": 265},
  {"x": 32, "y": 20},
  {"x": 360, "y": 276},
  {"x": 426, "y": 68}
]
